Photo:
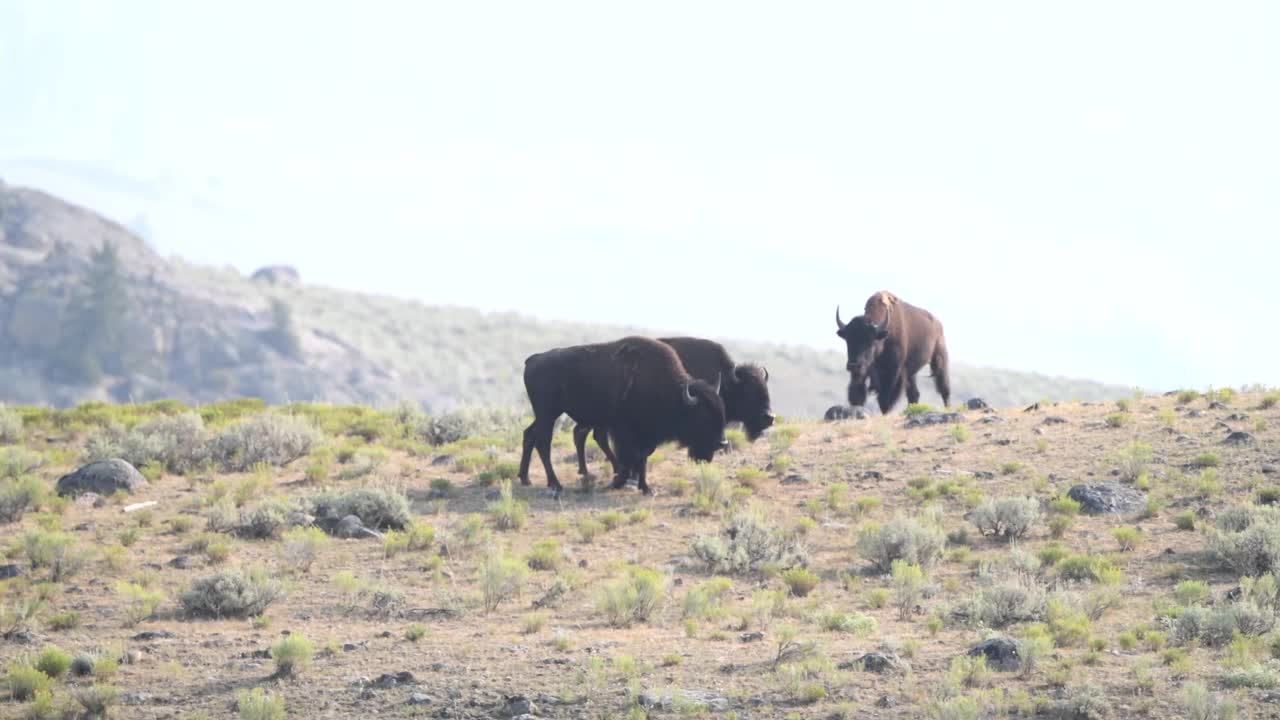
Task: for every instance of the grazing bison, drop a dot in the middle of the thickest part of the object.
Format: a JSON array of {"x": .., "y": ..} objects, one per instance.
[
  {"x": 743, "y": 388},
  {"x": 636, "y": 387},
  {"x": 888, "y": 344}
]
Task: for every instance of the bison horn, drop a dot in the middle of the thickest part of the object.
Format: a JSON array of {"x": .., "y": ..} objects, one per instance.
[
  {"x": 888, "y": 313},
  {"x": 718, "y": 378},
  {"x": 689, "y": 399},
  {"x": 765, "y": 370},
  {"x": 839, "y": 323},
  {"x": 736, "y": 375}
]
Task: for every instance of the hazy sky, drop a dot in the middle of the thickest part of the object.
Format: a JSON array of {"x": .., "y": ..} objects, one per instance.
[{"x": 1087, "y": 188}]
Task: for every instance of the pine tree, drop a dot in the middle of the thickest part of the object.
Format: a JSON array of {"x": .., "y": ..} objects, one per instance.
[{"x": 92, "y": 340}]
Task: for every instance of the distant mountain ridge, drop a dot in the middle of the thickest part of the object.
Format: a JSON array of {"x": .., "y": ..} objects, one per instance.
[{"x": 200, "y": 334}]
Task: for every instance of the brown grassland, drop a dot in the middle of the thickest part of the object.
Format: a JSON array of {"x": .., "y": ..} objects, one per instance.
[{"x": 1119, "y": 616}]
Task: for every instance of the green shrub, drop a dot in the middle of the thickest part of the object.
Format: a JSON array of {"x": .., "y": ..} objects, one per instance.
[
  {"x": 704, "y": 600},
  {"x": 1006, "y": 518},
  {"x": 1252, "y": 551},
  {"x": 291, "y": 654},
  {"x": 68, "y": 620},
  {"x": 16, "y": 462},
  {"x": 853, "y": 623},
  {"x": 1001, "y": 605},
  {"x": 1269, "y": 401},
  {"x": 800, "y": 581},
  {"x": 915, "y": 409},
  {"x": 1127, "y": 537},
  {"x": 501, "y": 577},
  {"x": 1134, "y": 458},
  {"x": 56, "y": 551},
  {"x": 1206, "y": 460},
  {"x": 1185, "y": 520},
  {"x": 1191, "y": 592},
  {"x": 906, "y": 539},
  {"x": 25, "y": 681},
  {"x": 139, "y": 602},
  {"x": 176, "y": 443},
  {"x": 633, "y": 598},
  {"x": 1118, "y": 419},
  {"x": 507, "y": 512},
  {"x": 257, "y": 704},
  {"x": 232, "y": 593},
  {"x": 18, "y": 495},
  {"x": 1200, "y": 704},
  {"x": 53, "y": 661},
  {"x": 545, "y": 555},
  {"x": 11, "y": 426},
  {"x": 415, "y": 632},
  {"x": 908, "y": 585}
]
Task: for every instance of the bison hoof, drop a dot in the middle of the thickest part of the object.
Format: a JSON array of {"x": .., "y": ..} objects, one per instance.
[
  {"x": 647, "y": 490},
  {"x": 524, "y": 481},
  {"x": 618, "y": 483}
]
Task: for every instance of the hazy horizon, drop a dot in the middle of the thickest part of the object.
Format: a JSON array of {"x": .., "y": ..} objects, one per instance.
[{"x": 1085, "y": 192}]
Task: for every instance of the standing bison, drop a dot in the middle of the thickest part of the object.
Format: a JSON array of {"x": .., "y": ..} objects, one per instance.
[
  {"x": 743, "y": 388},
  {"x": 636, "y": 387},
  {"x": 888, "y": 344}
]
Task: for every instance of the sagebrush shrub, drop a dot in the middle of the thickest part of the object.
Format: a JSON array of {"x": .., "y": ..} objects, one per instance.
[
  {"x": 18, "y": 495},
  {"x": 53, "y": 661},
  {"x": 1251, "y": 551},
  {"x": 376, "y": 508},
  {"x": 748, "y": 544},
  {"x": 501, "y": 578},
  {"x": 1007, "y": 518},
  {"x": 11, "y": 426},
  {"x": 906, "y": 539},
  {"x": 268, "y": 438},
  {"x": 507, "y": 512},
  {"x": 291, "y": 654},
  {"x": 96, "y": 699},
  {"x": 301, "y": 547},
  {"x": 258, "y": 704},
  {"x": 178, "y": 443},
  {"x": 232, "y": 593},
  {"x": 25, "y": 681},
  {"x": 1001, "y": 605}
]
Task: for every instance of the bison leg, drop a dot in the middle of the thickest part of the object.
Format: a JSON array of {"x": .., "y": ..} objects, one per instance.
[
  {"x": 641, "y": 467},
  {"x": 580, "y": 433},
  {"x": 938, "y": 365},
  {"x": 913, "y": 390},
  {"x": 538, "y": 436},
  {"x": 602, "y": 439},
  {"x": 626, "y": 459},
  {"x": 526, "y": 452},
  {"x": 889, "y": 391}
]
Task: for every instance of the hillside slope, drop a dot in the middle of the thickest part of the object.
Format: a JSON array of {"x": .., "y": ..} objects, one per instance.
[{"x": 200, "y": 334}]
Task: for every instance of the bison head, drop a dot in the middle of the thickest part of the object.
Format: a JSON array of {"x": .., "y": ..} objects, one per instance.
[
  {"x": 864, "y": 340},
  {"x": 702, "y": 429},
  {"x": 746, "y": 399}
]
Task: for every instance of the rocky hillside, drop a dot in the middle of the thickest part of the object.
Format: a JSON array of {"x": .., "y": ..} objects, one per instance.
[{"x": 77, "y": 325}]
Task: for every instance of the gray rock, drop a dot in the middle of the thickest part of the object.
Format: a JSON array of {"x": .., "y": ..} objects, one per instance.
[
  {"x": 751, "y": 637},
  {"x": 1107, "y": 498},
  {"x": 1216, "y": 405},
  {"x": 1195, "y": 413},
  {"x": 9, "y": 571},
  {"x": 183, "y": 562},
  {"x": 351, "y": 527},
  {"x": 90, "y": 500},
  {"x": 1001, "y": 654},
  {"x": 1236, "y": 417},
  {"x": 1054, "y": 420},
  {"x": 976, "y": 404},
  {"x": 420, "y": 699},
  {"x": 439, "y": 460},
  {"x": 387, "y": 680},
  {"x": 139, "y": 698},
  {"x": 516, "y": 705},
  {"x": 298, "y": 518},
  {"x": 651, "y": 700},
  {"x": 151, "y": 635},
  {"x": 1238, "y": 437},
  {"x": 990, "y": 419},
  {"x": 277, "y": 275},
  {"x": 876, "y": 663},
  {"x": 886, "y": 701},
  {"x": 844, "y": 412},
  {"x": 795, "y": 479},
  {"x": 104, "y": 477},
  {"x": 1270, "y": 469},
  {"x": 933, "y": 418}
]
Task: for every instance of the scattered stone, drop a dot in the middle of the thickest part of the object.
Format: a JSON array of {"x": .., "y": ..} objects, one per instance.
[
  {"x": 136, "y": 698},
  {"x": 351, "y": 527},
  {"x": 1001, "y": 653},
  {"x": 90, "y": 499},
  {"x": 1270, "y": 469},
  {"x": 1031, "y": 408},
  {"x": 795, "y": 479},
  {"x": 872, "y": 475},
  {"x": 650, "y": 700},
  {"x": 441, "y": 460},
  {"x": 984, "y": 474},
  {"x": 1236, "y": 417},
  {"x": 1107, "y": 498},
  {"x": 132, "y": 657},
  {"x": 933, "y": 418},
  {"x": 388, "y": 680},
  {"x": 990, "y": 419},
  {"x": 104, "y": 477},
  {"x": 277, "y": 275},
  {"x": 1054, "y": 420},
  {"x": 886, "y": 701},
  {"x": 352, "y": 647},
  {"x": 976, "y": 404},
  {"x": 150, "y": 635},
  {"x": 183, "y": 562},
  {"x": 420, "y": 699},
  {"x": 838, "y": 412},
  {"x": 516, "y": 705},
  {"x": 140, "y": 506},
  {"x": 751, "y": 637},
  {"x": 1216, "y": 405},
  {"x": 297, "y": 518},
  {"x": 877, "y": 663},
  {"x": 9, "y": 571},
  {"x": 1195, "y": 413},
  {"x": 1238, "y": 437}
]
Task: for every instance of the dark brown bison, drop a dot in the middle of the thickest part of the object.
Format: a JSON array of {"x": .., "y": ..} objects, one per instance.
[
  {"x": 888, "y": 344},
  {"x": 636, "y": 387},
  {"x": 743, "y": 388}
]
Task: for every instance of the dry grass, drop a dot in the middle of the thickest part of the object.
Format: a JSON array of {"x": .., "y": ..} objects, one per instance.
[{"x": 624, "y": 604}]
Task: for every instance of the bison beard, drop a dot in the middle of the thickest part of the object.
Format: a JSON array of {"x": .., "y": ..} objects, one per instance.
[
  {"x": 886, "y": 353},
  {"x": 743, "y": 388},
  {"x": 636, "y": 387}
]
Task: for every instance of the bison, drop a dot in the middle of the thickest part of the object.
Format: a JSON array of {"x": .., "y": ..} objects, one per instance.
[
  {"x": 888, "y": 344},
  {"x": 743, "y": 388},
  {"x": 636, "y": 387}
]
